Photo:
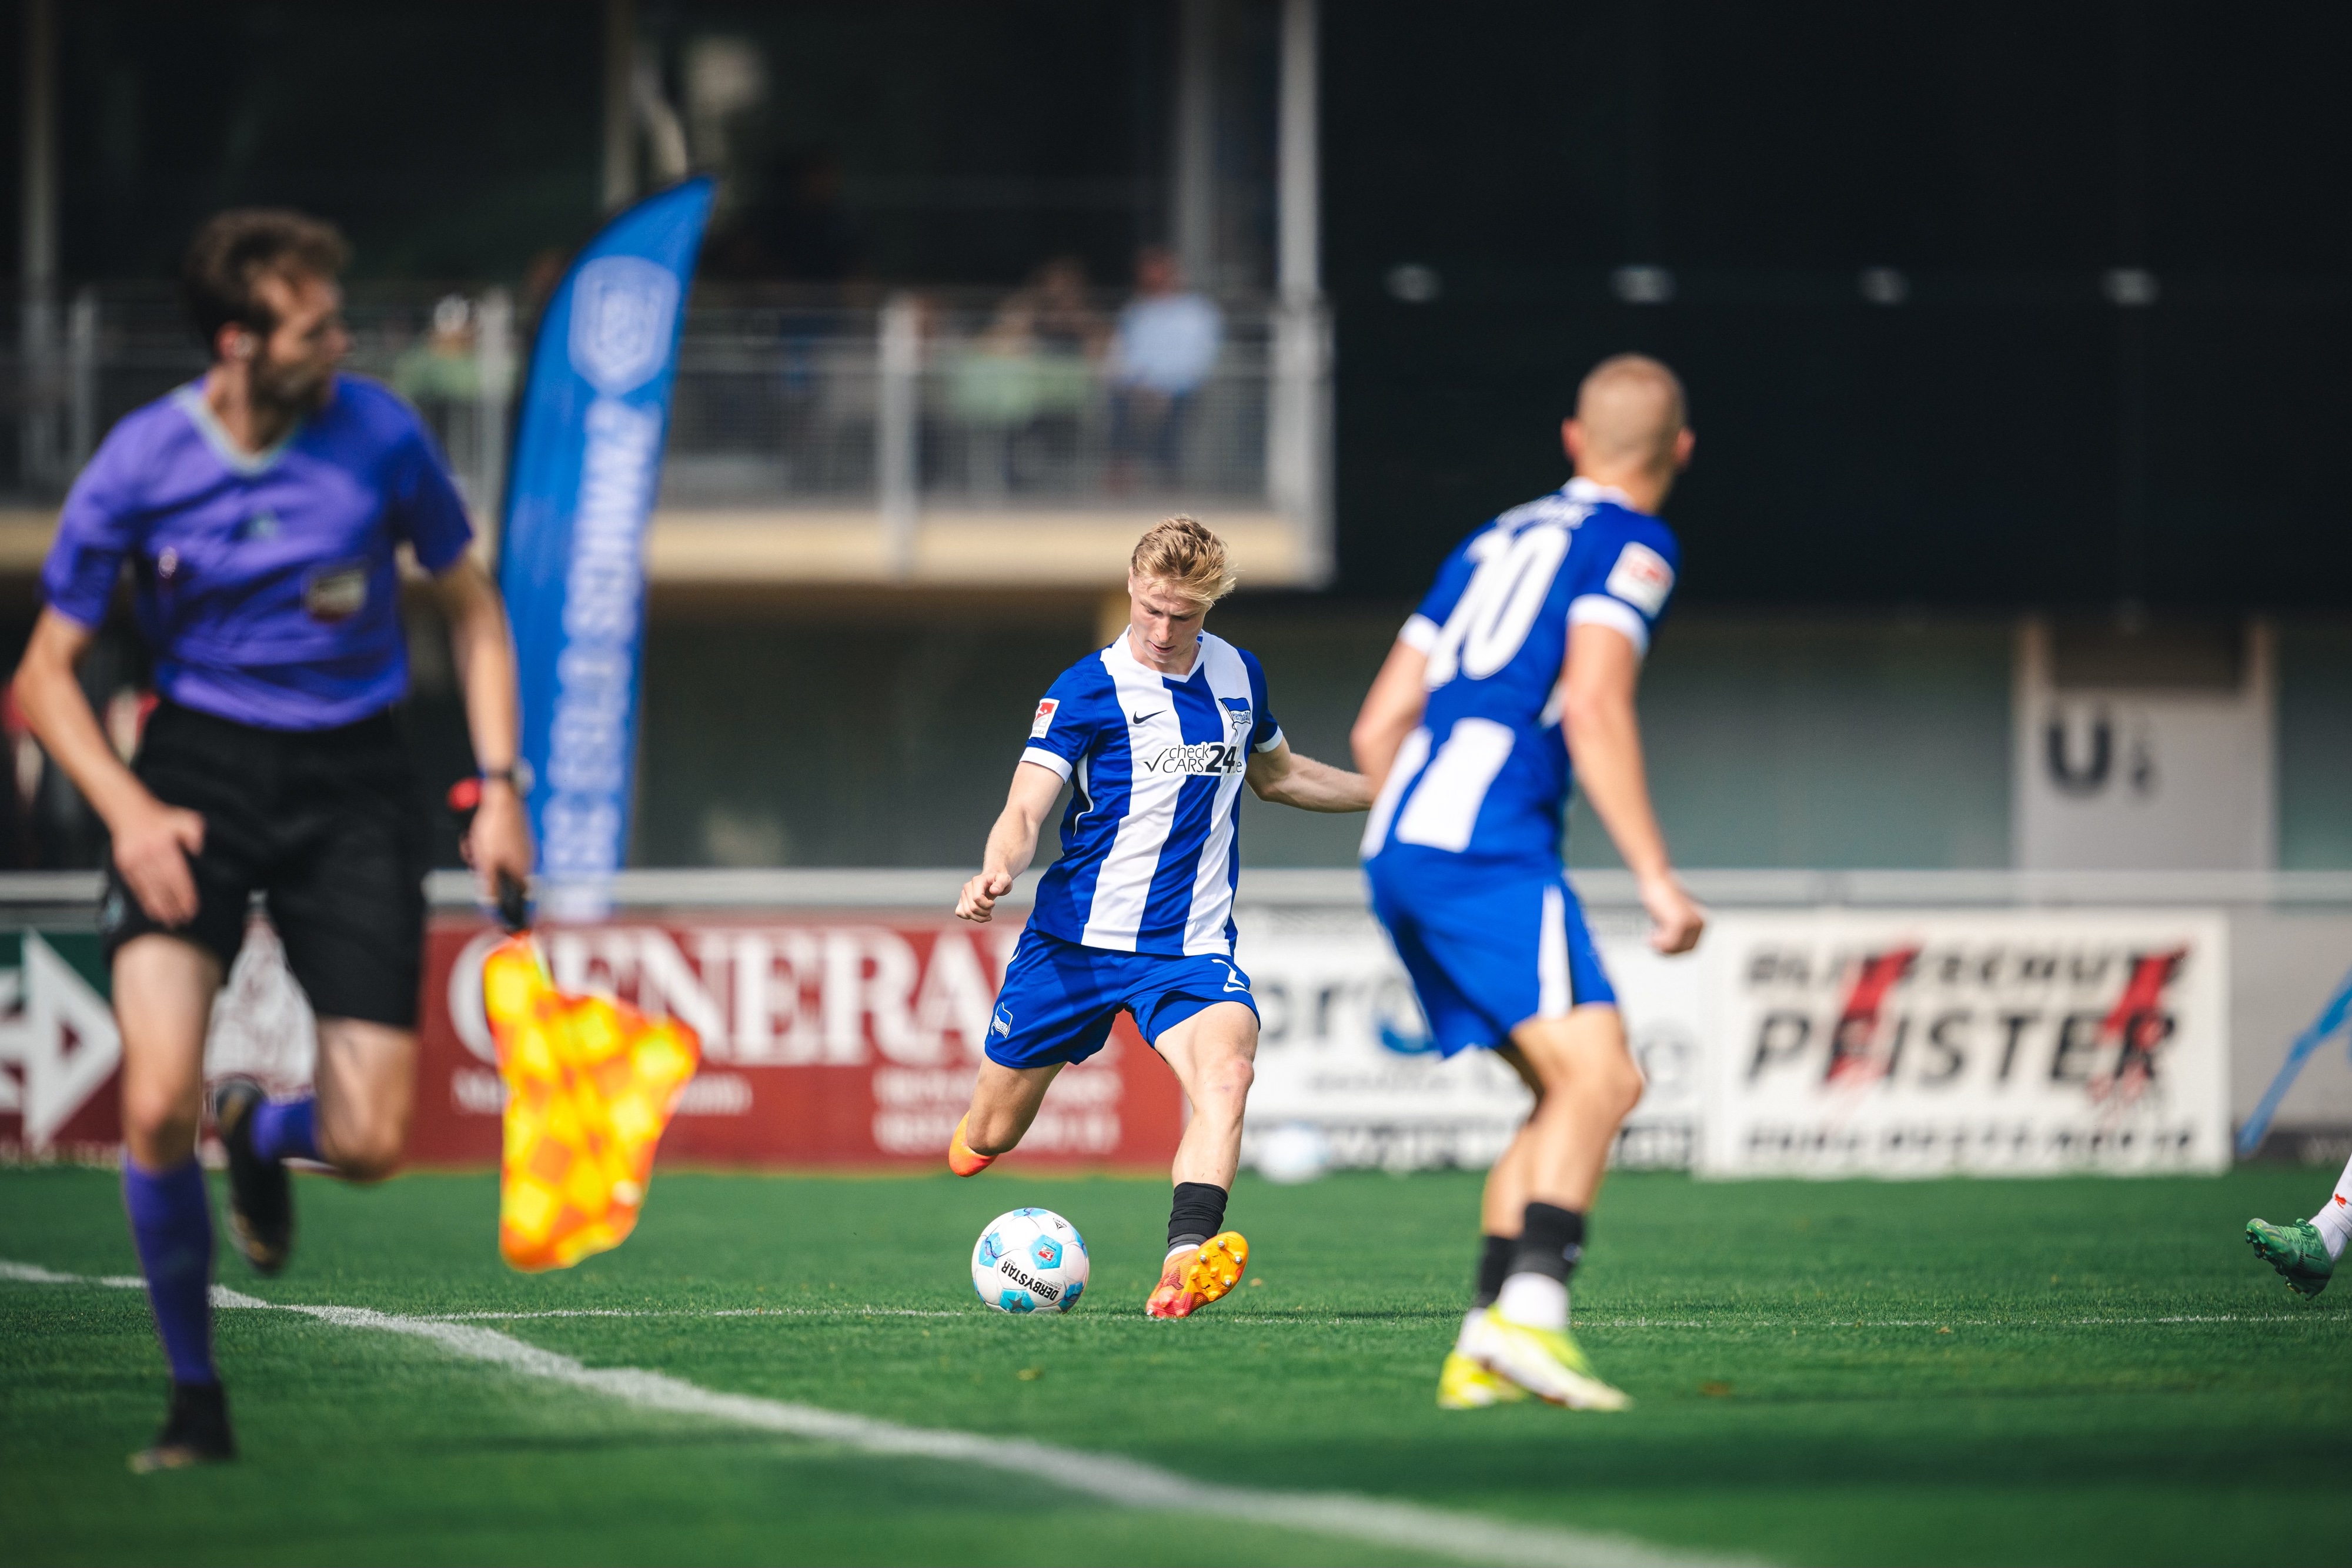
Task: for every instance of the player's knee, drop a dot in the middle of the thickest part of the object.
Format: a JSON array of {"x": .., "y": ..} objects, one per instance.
[
  {"x": 1623, "y": 1086},
  {"x": 159, "y": 1131},
  {"x": 365, "y": 1154},
  {"x": 991, "y": 1135},
  {"x": 1229, "y": 1080},
  {"x": 372, "y": 1164}
]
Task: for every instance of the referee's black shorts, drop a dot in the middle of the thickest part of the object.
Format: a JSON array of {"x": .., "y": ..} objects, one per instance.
[{"x": 326, "y": 824}]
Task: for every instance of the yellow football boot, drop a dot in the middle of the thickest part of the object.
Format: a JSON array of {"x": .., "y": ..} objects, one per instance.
[
  {"x": 1464, "y": 1384},
  {"x": 1546, "y": 1362},
  {"x": 1194, "y": 1276}
]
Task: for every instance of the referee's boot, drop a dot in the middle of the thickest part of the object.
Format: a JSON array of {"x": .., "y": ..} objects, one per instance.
[
  {"x": 196, "y": 1432},
  {"x": 260, "y": 1194}
]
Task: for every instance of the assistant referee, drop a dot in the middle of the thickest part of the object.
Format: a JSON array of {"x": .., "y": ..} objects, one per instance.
[{"x": 260, "y": 509}]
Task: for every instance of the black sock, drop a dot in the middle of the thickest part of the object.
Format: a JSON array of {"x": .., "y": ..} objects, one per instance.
[
  {"x": 1494, "y": 1267},
  {"x": 1551, "y": 1242},
  {"x": 1197, "y": 1214}
]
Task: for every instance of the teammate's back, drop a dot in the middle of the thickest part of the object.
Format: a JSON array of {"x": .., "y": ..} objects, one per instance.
[
  {"x": 1486, "y": 775},
  {"x": 1525, "y": 655}
]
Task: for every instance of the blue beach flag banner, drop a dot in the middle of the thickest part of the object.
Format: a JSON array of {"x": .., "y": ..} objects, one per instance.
[{"x": 587, "y": 457}]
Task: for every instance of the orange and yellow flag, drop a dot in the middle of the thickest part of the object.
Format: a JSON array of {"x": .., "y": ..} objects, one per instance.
[{"x": 591, "y": 1083}]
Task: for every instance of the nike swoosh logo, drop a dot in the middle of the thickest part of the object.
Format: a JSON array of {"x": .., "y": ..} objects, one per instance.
[{"x": 1140, "y": 717}]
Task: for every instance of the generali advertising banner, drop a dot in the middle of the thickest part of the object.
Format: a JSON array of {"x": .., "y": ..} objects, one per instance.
[
  {"x": 825, "y": 1041},
  {"x": 1991, "y": 1043},
  {"x": 1343, "y": 1047}
]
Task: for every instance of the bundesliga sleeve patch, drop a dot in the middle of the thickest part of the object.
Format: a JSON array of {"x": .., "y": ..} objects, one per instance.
[
  {"x": 1044, "y": 720},
  {"x": 1642, "y": 578}
]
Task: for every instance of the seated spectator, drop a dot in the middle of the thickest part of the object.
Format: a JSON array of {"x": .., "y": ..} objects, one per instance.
[
  {"x": 1066, "y": 323},
  {"x": 1165, "y": 345},
  {"x": 992, "y": 393},
  {"x": 444, "y": 368}
]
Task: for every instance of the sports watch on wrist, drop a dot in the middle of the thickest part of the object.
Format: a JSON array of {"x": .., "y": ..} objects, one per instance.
[{"x": 517, "y": 774}]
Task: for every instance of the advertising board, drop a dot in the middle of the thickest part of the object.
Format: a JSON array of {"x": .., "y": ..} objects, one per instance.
[
  {"x": 60, "y": 1054},
  {"x": 1990, "y": 1042},
  {"x": 831, "y": 1042},
  {"x": 1343, "y": 1048},
  {"x": 1840, "y": 1042}
]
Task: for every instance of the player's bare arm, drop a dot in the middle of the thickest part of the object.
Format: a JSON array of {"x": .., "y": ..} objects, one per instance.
[
  {"x": 483, "y": 648},
  {"x": 151, "y": 840},
  {"x": 1011, "y": 843},
  {"x": 1399, "y": 696},
  {"x": 1283, "y": 777},
  {"x": 1604, "y": 737}
]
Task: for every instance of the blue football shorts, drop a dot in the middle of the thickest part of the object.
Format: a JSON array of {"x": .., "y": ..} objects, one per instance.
[
  {"x": 1489, "y": 950},
  {"x": 1059, "y": 998}
]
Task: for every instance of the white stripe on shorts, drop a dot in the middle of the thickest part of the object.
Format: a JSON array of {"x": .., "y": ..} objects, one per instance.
[{"x": 1554, "y": 995}]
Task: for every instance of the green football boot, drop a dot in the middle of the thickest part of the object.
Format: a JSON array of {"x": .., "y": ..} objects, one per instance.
[{"x": 2294, "y": 1251}]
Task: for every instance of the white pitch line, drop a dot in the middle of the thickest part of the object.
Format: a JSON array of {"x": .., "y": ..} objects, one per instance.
[
  {"x": 223, "y": 1297},
  {"x": 693, "y": 1313},
  {"x": 1122, "y": 1482},
  {"x": 2299, "y": 1319}
]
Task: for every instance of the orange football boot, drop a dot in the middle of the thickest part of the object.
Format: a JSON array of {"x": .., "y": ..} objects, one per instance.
[
  {"x": 961, "y": 1159},
  {"x": 1195, "y": 1276}
]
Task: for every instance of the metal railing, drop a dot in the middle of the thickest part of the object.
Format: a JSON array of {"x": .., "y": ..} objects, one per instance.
[
  {"x": 942, "y": 401},
  {"x": 74, "y": 893},
  {"x": 69, "y": 373}
]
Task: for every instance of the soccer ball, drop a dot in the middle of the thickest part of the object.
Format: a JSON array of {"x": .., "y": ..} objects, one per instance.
[{"x": 1030, "y": 1260}]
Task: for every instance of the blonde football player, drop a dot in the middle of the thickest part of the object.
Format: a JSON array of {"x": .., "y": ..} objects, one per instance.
[{"x": 1156, "y": 733}]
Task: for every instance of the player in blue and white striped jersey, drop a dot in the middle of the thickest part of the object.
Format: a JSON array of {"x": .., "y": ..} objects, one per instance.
[
  {"x": 1157, "y": 734},
  {"x": 1521, "y": 661}
]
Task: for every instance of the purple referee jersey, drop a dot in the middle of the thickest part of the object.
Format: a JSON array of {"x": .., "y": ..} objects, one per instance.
[{"x": 264, "y": 581}]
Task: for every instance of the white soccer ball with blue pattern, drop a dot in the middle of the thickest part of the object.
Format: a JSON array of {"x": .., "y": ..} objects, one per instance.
[{"x": 1030, "y": 1260}]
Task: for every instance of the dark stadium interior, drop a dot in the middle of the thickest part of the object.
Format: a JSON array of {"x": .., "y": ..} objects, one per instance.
[
  {"x": 1985, "y": 311},
  {"x": 2004, "y": 435}
]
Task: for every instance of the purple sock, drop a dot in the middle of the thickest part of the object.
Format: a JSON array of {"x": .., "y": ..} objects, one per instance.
[
  {"x": 172, "y": 1222},
  {"x": 283, "y": 1129}
]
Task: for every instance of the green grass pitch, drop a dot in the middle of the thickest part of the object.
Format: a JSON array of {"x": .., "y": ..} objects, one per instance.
[{"x": 2081, "y": 1371}]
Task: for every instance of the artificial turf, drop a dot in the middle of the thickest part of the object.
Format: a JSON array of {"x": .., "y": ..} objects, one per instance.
[{"x": 2077, "y": 1371}]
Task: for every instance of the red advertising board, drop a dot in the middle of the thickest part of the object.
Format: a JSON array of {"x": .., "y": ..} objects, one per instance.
[
  {"x": 826, "y": 1040},
  {"x": 840, "y": 1041}
]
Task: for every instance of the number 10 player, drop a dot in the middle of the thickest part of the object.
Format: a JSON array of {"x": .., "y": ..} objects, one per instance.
[{"x": 1522, "y": 660}]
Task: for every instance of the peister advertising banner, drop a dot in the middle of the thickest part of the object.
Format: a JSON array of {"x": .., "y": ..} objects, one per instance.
[{"x": 1897, "y": 1044}]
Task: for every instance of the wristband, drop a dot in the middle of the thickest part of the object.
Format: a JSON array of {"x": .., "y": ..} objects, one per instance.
[{"x": 517, "y": 775}]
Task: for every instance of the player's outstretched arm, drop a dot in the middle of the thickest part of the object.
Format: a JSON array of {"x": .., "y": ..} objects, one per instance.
[
  {"x": 1013, "y": 843},
  {"x": 151, "y": 840},
  {"x": 1604, "y": 739},
  {"x": 1392, "y": 709},
  {"x": 1284, "y": 777},
  {"x": 483, "y": 647}
]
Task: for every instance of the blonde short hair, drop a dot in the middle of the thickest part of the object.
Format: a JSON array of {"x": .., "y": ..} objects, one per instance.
[{"x": 1187, "y": 556}]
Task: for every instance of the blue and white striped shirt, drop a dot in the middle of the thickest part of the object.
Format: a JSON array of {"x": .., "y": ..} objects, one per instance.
[{"x": 1151, "y": 841}]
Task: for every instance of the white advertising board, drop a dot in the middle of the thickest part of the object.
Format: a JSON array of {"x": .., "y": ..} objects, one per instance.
[
  {"x": 1890, "y": 1043},
  {"x": 1343, "y": 1047}
]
